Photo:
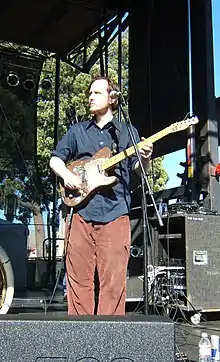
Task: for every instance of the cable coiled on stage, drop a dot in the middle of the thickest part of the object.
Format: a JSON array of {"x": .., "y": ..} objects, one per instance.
[{"x": 6, "y": 282}]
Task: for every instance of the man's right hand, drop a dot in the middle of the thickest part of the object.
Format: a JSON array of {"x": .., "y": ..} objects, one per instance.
[{"x": 71, "y": 181}]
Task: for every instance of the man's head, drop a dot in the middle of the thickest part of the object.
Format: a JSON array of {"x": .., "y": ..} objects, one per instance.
[{"x": 100, "y": 100}]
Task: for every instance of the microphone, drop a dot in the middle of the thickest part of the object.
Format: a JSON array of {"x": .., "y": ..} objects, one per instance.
[{"x": 114, "y": 94}]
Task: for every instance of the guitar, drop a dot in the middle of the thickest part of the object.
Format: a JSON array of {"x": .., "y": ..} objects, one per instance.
[{"x": 93, "y": 171}]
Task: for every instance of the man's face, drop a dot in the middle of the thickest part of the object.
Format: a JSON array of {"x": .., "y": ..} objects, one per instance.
[{"x": 99, "y": 99}]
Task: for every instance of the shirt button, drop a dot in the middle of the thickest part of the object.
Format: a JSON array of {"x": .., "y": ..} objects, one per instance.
[
  {"x": 101, "y": 132},
  {"x": 101, "y": 143}
]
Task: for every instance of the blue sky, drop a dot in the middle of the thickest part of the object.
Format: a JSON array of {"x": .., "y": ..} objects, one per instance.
[{"x": 171, "y": 162}]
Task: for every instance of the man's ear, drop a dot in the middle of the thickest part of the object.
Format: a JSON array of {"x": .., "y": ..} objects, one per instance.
[{"x": 113, "y": 101}]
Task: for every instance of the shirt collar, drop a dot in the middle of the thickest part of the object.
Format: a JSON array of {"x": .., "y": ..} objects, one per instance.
[{"x": 114, "y": 121}]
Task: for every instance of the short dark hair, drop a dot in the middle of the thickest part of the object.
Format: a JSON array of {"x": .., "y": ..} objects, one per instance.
[{"x": 111, "y": 87}]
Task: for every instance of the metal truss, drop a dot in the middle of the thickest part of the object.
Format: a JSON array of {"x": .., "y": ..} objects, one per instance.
[
  {"x": 105, "y": 35},
  {"x": 24, "y": 51},
  {"x": 78, "y": 57}
]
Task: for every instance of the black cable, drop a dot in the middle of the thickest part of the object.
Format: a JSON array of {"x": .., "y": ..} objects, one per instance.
[
  {"x": 195, "y": 310},
  {"x": 54, "y": 291},
  {"x": 137, "y": 309}
]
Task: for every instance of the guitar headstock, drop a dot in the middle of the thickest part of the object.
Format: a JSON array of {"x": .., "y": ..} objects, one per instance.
[{"x": 180, "y": 126}]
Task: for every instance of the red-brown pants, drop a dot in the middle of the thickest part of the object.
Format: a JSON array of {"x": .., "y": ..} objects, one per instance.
[{"x": 107, "y": 248}]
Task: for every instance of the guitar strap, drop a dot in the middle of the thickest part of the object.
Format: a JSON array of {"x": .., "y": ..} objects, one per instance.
[{"x": 115, "y": 133}]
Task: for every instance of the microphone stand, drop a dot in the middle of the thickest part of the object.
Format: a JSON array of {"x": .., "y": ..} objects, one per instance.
[{"x": 144, "y": 182}]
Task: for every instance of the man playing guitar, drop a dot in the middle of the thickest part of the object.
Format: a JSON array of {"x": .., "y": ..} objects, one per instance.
[{"x": 99, "y": 235}]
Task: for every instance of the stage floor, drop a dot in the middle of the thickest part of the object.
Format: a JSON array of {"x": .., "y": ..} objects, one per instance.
[{"x": 187, "y": 336}]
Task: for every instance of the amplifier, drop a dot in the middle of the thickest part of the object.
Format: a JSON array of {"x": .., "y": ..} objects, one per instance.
[
  {"x": 193, "y": 240},
  {"x": 135, "y": 264}
]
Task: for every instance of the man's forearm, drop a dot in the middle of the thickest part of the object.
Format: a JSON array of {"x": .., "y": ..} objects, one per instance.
[
  {"x": 58, "y": 166},
  {"x": 145, "y": 162}
]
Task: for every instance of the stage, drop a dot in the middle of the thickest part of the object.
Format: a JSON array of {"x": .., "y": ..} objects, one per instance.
[
  {"x": 36, "y": 317},
  {"x": 36, "y": 327}
]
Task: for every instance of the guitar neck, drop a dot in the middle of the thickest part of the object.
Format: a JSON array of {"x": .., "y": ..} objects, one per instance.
[{"x": 131, "y": 150}]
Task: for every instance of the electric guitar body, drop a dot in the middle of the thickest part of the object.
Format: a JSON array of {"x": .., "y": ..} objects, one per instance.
[{"x": 92, "y": 177}]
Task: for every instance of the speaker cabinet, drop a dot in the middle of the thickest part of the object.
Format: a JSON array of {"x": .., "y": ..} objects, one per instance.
[
  {"x": 86, "y": 339},
  {"x": 135, "y": 264},
  {"x": 192, "y": 240},
  {"x": 13, "y": 239}
]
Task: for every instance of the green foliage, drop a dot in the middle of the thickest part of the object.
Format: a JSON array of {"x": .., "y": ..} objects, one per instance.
[
  {"x": 158, "y": 175},
  {"x": 15, "y": 130},
  {"x": 8, "y": 186}
]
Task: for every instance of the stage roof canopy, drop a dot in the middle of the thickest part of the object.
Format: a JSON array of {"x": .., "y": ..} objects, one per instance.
[{"x": 56, "y": 26}]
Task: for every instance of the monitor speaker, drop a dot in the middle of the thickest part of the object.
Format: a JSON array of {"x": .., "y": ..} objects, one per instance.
[
  {"x": 14, "y": 241},
  {"x": 32, "y": 338}
]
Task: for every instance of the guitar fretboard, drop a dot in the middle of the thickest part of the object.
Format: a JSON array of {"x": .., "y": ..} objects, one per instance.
[{"x": 131, "y": 150}]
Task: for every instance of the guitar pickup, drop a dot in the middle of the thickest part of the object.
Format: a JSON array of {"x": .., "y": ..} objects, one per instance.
[{"x": 100, "y": 167}]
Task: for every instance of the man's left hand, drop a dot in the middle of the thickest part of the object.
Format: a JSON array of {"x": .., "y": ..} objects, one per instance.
[{"x": 146, "y": 150}]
